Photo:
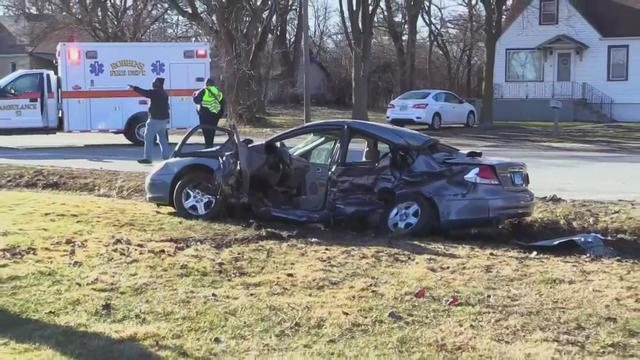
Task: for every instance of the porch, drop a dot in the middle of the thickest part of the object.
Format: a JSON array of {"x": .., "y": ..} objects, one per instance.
[{"x": 586, "y": 102}]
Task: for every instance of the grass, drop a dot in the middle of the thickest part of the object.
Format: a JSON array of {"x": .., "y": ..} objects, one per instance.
[{"x": 123, "y": 279}]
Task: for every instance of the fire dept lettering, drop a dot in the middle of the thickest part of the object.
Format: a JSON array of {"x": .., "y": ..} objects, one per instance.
[
  {"x": 131, "y": 68},
  {"x": 18, "y": 107}
]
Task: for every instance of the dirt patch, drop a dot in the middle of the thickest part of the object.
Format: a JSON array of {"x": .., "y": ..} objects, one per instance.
[{"x": 125, "y": 185}]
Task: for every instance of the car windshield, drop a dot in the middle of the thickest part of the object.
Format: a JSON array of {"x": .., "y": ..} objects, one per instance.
[{"x": 415, "y": 95}]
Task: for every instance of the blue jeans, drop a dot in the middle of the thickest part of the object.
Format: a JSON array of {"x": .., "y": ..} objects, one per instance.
[{"x": 156, "y": 128}]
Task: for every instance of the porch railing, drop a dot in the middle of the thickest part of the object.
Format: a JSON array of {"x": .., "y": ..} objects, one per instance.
[{"x": 593, "y": 98}]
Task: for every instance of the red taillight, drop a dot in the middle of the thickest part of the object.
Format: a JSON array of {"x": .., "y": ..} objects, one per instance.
[
  {"x": 390, "y": 106},
  {"x": 483, "y": 174},
  {"x": 420, "y": 106},
  {"x": 201, "y": 53},
  {"x": 73, "y": 54}
]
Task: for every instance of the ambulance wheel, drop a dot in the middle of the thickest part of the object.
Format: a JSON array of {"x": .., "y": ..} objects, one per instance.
[{"x": 135, "y": 129}]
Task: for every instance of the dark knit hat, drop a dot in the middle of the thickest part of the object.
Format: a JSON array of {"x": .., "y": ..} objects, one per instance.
[{"x": 159, "y": 81}]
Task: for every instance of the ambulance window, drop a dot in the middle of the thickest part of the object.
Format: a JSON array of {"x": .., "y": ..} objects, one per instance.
[
  {"x": 49, "y": 88},
  {"x": 25, "y": 84}
]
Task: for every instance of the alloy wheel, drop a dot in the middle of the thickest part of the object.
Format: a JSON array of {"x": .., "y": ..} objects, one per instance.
[
  {"x": 403, "y": 217},
  {"x": 471, "y": 120},
  {"x": 140, "y": 130},
  {"x": 198, "y": 199}
]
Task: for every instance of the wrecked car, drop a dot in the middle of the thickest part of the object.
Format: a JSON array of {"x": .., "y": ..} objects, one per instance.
[{"x": 342, "y": 171}]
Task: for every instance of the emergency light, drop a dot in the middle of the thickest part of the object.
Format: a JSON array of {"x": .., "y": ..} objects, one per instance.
[
  {"x": 201, "y": 53},
  {"x": 73, "y": 54}
]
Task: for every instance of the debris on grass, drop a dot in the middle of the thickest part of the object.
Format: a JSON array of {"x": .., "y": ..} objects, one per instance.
[
  {"x": 452, "y": 301},
  {"x": 16, "y": 253},
  {"x": 592, "y": 244},
  {"x": 420, "y": 293},
  {"x": 392, "y": 314}
]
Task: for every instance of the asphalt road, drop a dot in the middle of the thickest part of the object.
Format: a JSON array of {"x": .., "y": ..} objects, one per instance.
[{"x": 580, "y": 173}]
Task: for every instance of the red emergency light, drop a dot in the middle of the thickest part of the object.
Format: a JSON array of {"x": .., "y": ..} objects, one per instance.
[
  {"x": 201, "y": 53},
  {"x": 73, "y": 54}
]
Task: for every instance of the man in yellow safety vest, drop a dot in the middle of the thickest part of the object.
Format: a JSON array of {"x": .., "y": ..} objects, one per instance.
[{"x": 211, "y": 104}]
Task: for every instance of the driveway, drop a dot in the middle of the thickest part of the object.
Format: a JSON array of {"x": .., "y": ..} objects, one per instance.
[{"x": 578, "y": 173}]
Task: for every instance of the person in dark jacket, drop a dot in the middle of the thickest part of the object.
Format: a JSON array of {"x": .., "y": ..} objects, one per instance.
[
  {"x": 158, "y": 119},
  {"x": 211, "y": 104}
]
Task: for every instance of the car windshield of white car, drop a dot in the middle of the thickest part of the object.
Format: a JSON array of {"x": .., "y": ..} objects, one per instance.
[{"x": 415, "y": 95}]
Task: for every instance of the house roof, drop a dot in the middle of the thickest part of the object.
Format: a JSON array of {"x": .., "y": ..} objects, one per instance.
[
  {"x": 611, "y": 18},
  {"x": 563, "y": 40},
  {"x": 36, "y": 34}
]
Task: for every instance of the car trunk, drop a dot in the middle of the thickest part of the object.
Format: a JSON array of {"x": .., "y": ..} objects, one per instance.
[{"x": 513, "y": 175}]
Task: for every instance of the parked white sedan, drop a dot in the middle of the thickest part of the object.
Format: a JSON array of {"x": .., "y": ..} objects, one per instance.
[{"x": 432, "y": 107}]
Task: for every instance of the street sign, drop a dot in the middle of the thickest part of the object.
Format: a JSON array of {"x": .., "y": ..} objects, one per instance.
[{"x": 555, "y": 104}]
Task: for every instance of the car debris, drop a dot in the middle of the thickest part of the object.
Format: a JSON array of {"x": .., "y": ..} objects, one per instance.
[
  {"x": 342, "y": 172},
  {"x": 592, "y": 244}
]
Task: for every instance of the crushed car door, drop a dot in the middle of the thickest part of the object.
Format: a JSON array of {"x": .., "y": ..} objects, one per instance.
[{"x": 363, "y": 170}]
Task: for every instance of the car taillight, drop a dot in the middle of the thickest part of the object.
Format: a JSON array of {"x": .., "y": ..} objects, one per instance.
[
  {"x": 390, "y": 106},
  {"x": 201, "y": 53},
  {"x": 484, "y": 174},
  {"x": 73, "y": 54},
  {"x": 420, "y": 106}
]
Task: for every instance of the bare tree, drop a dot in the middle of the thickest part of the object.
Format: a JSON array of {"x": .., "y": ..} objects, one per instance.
[
  {"x": 359, "y": 34},
  {"x": 113, "y": 20},
  {"x": 399, "y": 16},
  {"x": 494, "y": 16},
  {"x": 241, "y": 28}
]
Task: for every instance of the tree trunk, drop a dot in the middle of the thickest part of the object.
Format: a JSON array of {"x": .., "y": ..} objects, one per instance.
[
  {"x": 360, "y": 91},
  {"x": 486, "y": 119}
]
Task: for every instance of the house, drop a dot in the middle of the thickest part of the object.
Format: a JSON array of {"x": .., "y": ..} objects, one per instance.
[
  {"x": 318, "y": 87},
  {"x": 584, "y": 53},
  {"x": 29, "y": 41}
]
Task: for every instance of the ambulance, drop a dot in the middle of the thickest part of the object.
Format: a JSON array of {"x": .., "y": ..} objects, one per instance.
[{"x": 90, "y": 92}]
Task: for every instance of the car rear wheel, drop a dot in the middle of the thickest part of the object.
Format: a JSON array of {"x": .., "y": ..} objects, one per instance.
[
  {"x": 436, "y": 122},
  {"x": 410, "y": 215},
  {"x": 197, "y": 197},
  {"x": 471, "y": 120}
]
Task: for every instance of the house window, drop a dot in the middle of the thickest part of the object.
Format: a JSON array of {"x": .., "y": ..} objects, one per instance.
[
  {"x": 524, "y": 65},
  {"x": 14, "y": 66},
  {"x": 618, "y": 69},
  {"x": 548, "y": 12}
]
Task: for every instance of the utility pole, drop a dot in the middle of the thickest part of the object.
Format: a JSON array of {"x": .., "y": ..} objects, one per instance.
[{"x": 305, "y": 65}]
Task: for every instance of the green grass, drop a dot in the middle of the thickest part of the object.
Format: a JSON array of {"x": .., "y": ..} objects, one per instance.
[{"x": 128, "y": 290}]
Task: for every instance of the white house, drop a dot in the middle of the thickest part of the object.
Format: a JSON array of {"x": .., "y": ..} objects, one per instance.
[{"x": 585, "y": 53}]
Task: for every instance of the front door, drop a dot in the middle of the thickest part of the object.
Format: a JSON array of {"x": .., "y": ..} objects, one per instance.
[
  {"x": 21, "y": 102},
  {"x": 564, "y": 67}
]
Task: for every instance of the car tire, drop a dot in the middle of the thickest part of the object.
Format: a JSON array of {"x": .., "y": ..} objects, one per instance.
[
  {"x": 436, "y": 122},
  {"x": 471, "y": 120},
  {"x": 410, "y": 215},
  {"x": 197, "y": 197},
  {"x": 134, "y": 132}
]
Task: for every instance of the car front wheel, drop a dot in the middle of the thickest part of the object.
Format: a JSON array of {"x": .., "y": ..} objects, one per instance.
[
  {"x": 410, "y": 215},
  {"x": 197, "y": 196}
]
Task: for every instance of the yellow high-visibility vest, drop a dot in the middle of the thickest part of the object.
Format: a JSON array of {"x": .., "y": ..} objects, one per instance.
[{"x": 212, "y": 99}]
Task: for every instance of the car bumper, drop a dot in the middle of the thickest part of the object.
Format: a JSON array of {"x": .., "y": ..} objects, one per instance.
[
  {"x": 483, "y": 211},
  {"x": 407, "y": 118},
  {"x": 158, "y": 189}
]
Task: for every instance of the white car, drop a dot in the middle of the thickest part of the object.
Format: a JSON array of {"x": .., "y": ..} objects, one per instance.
[{"x": 432, "y": 107}]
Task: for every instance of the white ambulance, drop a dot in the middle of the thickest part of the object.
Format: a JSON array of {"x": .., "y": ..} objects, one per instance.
[{"x": 91, "y": 91}]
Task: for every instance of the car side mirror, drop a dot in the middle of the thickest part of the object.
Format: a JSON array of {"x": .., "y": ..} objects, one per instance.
[
  {"x": 474, "y": 154},
  {"x": 247, "y": 141},
  {"x": 462, "y": 101},
  {"x": 12, "y": 91}
]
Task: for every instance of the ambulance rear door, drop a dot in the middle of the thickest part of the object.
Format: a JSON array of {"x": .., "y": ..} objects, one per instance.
[{"x": 184, "y": 79}]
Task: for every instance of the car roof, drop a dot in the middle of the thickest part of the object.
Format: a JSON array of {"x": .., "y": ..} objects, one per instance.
[{"x": 393, "y": 135}]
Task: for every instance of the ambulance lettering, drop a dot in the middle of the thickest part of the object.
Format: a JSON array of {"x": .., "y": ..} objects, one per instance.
[{"x": 127, "y": 68}]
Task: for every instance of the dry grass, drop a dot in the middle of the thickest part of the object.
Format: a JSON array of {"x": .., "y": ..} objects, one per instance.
[{"x": 114, "y": 279}]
